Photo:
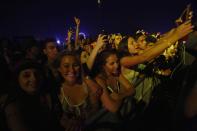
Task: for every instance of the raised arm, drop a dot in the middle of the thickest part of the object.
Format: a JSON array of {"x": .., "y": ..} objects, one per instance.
[
  {"x": 99, "y": 43},
  {"x": 77, "y": 22},
  {"x": 167, "y": 40},
  {"x": 69, "y": 34}
]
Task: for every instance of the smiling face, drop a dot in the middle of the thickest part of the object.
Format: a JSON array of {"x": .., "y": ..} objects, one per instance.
[
  {"x": 111, "y": 66},
  {"x": 28, "y": 80},
  {"x": 69, "y": 69}
]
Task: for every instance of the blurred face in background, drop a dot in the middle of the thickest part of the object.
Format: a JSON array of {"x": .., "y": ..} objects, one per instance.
[
  {"x": 51, "y": 50},
  {"x": 117, "y": 40},
  {"x": 34, "y": 51},
  {"x": 141, "y": 41},
  {"x": 29, "y": 80},
  {"x": 132, "y": 45},
  {"x": 87, "y": 48},
  {"x": 81, "y": 40}
]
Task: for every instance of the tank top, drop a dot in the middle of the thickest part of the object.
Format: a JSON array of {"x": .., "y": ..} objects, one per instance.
[
  {"x": 111, "y": 90},
  {"x": 76, "y": 110}
]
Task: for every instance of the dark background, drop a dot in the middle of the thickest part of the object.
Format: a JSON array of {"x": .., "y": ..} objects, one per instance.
[{"x": 52, "y": 18}]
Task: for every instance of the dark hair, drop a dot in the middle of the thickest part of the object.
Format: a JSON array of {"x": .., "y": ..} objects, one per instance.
[
  {"x": 104, "y": 55},
  {"x": 137, "y": 35},
  {"x": 46, "y": 41},
  {"x": 58, "y": 59},
  {"x": 151, "y": 38},
  {"x": 27, "y": 64},
  {"x": 123, "y": 47},
  {"x": 81, "y": 37}
]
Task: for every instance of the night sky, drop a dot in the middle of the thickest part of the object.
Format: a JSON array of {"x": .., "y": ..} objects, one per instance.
[{"x": 52, "y": 18}]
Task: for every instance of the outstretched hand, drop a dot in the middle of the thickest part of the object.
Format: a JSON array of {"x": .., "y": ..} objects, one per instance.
[
  {"x": 183, "y": 29},
  {"x": 186, "y": 15},
  {"x": 179, "y": 32}
]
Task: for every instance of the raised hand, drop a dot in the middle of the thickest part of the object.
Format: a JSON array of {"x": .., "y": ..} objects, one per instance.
[
  {"x": 69, "y": 33},
  {"x": 101, "y": 40},
  {"x": 179, "y": 32},
  {"x": 77, "y": 21}
]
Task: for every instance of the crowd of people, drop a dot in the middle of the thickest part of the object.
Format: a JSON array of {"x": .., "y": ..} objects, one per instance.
[{"x": 111, "y": 82}]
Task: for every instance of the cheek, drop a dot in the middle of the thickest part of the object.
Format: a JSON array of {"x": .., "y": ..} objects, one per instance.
[
  {"x": 143, "y": 43},
  {"x": 77, "y": 70},
  {"x": 52, "y": 52},
  {"x": 62, "y": 70},
  {"x": 105, "y": 68},
  {"x": 22, "y": 82},
  {"x": 109, "y": 68},
  {"x": 130, "y": 45},
  {"x": 114, "y": 68},
  {"x": 130, "y": 48}
]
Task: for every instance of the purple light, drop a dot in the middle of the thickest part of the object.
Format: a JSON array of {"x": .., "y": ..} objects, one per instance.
[
  {"x": 81, "y": 33},
  {"x": 58, "y": 42}
]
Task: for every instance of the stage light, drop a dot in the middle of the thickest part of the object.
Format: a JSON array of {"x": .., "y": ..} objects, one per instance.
[
  {"x": 83, "y": 34},
  {"x": 58, "y": 42},
  {"x": 99, "y": 1}
]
